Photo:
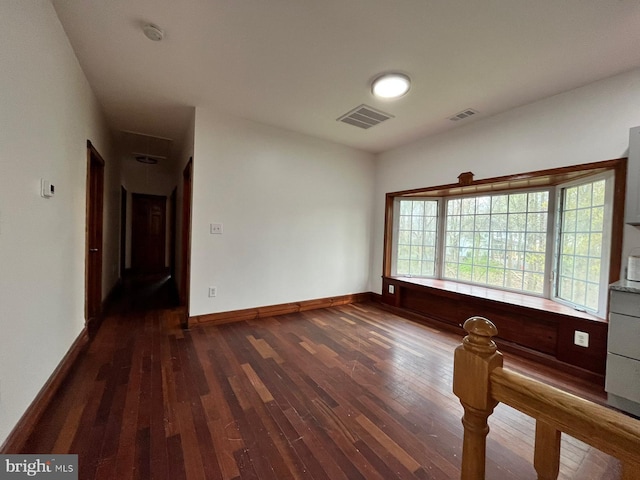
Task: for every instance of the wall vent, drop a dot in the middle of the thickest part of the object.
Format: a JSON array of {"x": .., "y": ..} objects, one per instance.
[
  {"x": 364, "y": 117},
  {"x": 466, "y": 113}
]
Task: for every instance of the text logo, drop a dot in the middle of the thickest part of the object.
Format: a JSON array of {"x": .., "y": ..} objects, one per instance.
[{"x": 45, "y": 467}]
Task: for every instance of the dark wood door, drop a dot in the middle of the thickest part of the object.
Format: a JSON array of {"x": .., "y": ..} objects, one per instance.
[
  {"x": 185, "y": 253},
  {"x": 148, "y": 233},
  {"x": 95, "y": 191},
  {"x": 173, "y": 205},
  {"x": 123, "y": 230}
]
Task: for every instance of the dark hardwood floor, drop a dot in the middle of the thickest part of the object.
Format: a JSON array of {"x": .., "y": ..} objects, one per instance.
[{"x": 349, "y": 392}]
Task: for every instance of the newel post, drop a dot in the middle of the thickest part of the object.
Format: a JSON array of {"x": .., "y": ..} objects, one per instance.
[{"x": 474, "y": 361}]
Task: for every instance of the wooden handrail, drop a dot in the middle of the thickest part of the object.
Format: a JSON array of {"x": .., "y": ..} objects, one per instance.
[{"x": 480, "y": 381}]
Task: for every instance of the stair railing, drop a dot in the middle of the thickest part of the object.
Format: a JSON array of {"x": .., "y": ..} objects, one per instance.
[{"x": 481, "y": 382}]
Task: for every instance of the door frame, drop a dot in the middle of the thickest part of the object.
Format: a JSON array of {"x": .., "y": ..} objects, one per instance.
[
  {"x": 94, "y": 238},
  {"x": 173, "y": 226},
  {"x": 123, "y": 231},
  {"x": 185, "y": 254}
]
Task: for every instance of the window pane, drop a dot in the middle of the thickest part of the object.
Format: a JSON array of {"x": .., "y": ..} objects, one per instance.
[
  {"x": 513, "y": 279},
  {"x": 451, "y": 270},
  {"x": 453, "y": 223},
  {"x": 534, "y": 262},
  {"x": 584, "y": 196},
  {"x": 468, "y": 206},
  {"x": 405, "y": 207},
  {"x": 597, "y": 219},
  {"x": 499, "y": 222},
  {"x": 481, "y": 240},
  {"x": 571, "y": 198},
  {"x": 479, "y": 274},
  {"x": 517, "y": 222},
  {"x": 594, "y": 270},
  {"x": 538, "y": 202},
  {"x": 518, "y": 203},
  {"x": 483, "y": 205},
  {"x": 593, "y": 291},
  {"x": 583, "y": 222},
  {"x": 599, "y": 192},
  {"x": 467, "y": 223},
  {"x": 566, "y": 265},
  {"x": 537, "y": 222},
  {"x": 499, "y": 204},
  {"x": 536, "y": 242},
  {"x": 483, "y": 222},
  {"x": 533, "y": 282},
  {"x": 495, "y": 277},
  {"x": 453, "y": 206}
]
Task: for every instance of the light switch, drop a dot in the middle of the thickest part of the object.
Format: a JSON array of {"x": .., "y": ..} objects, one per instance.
[{"x": 215, "y": 228}]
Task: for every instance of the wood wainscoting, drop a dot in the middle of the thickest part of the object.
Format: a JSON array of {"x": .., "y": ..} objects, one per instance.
[
  {"x": 25, "y": 426},
  {"x": 275, "y": 310},
  {"x": 534, "y": 328}
]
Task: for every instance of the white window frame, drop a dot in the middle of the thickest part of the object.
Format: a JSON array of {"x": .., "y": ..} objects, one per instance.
[
  {"x": 396, "y": 231},
  {"x": 605, "y": 254}
]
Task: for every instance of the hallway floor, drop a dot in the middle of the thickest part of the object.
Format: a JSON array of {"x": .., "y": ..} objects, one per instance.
[{"x": 350, "y": 392}]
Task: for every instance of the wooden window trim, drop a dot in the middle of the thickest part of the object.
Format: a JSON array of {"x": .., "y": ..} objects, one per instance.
[{"x": 539, "y": 178}]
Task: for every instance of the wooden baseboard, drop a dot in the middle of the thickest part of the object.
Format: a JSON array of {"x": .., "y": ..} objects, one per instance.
[
  {"x": 275, "y": 310},
  {"x": 20, "y": 434}
]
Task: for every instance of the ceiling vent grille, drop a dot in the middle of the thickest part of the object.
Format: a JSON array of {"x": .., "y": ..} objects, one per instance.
[
  {"x": 463, "y": 114},
  {"x": 364, "y": 117}
]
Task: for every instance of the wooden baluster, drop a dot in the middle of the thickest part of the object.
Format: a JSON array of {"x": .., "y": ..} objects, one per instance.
[
  {"x": 474, "y": 361},
  {"x": 546, "y": 458}
]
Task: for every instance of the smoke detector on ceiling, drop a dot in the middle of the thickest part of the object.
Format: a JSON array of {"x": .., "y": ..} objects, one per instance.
[{"x": 153, "y": 32}]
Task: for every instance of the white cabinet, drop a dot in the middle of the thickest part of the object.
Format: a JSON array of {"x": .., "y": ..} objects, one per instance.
[
  {"x": 622, "y": 381},
  {"x": 632, "y": 204}
]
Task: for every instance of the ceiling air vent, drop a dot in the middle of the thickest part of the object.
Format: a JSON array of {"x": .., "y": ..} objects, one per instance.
[
  {"x": 463, "y": 114},
  {"x": 364, "y": 117}
]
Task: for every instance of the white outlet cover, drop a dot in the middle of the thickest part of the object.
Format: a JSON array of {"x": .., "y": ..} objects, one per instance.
[
  {"x": 581, "y": 338},
  {"x": 215, "y": 228}
]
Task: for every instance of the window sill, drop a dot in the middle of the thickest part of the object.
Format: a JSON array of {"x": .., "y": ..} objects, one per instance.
[{"x": 501, "y": 296}]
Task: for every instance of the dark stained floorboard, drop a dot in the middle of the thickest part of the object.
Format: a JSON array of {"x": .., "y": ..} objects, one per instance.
[{"x": 350, "y": 392}]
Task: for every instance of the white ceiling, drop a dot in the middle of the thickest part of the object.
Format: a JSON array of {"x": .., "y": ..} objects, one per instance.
[{"x": 300, "y": 64}]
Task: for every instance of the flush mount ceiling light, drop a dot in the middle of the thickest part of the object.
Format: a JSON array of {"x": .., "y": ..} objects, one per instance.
[
  {"x": 153, "y": 32},
  {"x": 390, "y": 85}
]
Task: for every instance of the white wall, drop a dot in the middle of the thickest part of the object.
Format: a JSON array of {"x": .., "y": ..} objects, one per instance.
[
  {"x": 296, "y": 213},
  {"x": 47, "y": 114},
  {"x": 588, "y": 124}
]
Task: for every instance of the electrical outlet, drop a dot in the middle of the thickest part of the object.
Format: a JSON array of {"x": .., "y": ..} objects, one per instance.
[
  {"x": 213, "y": 291},
  {"x": 215, "y": 228},
  {"x": 581, "y": 338},
  {"x": 392, "y": 289}
]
